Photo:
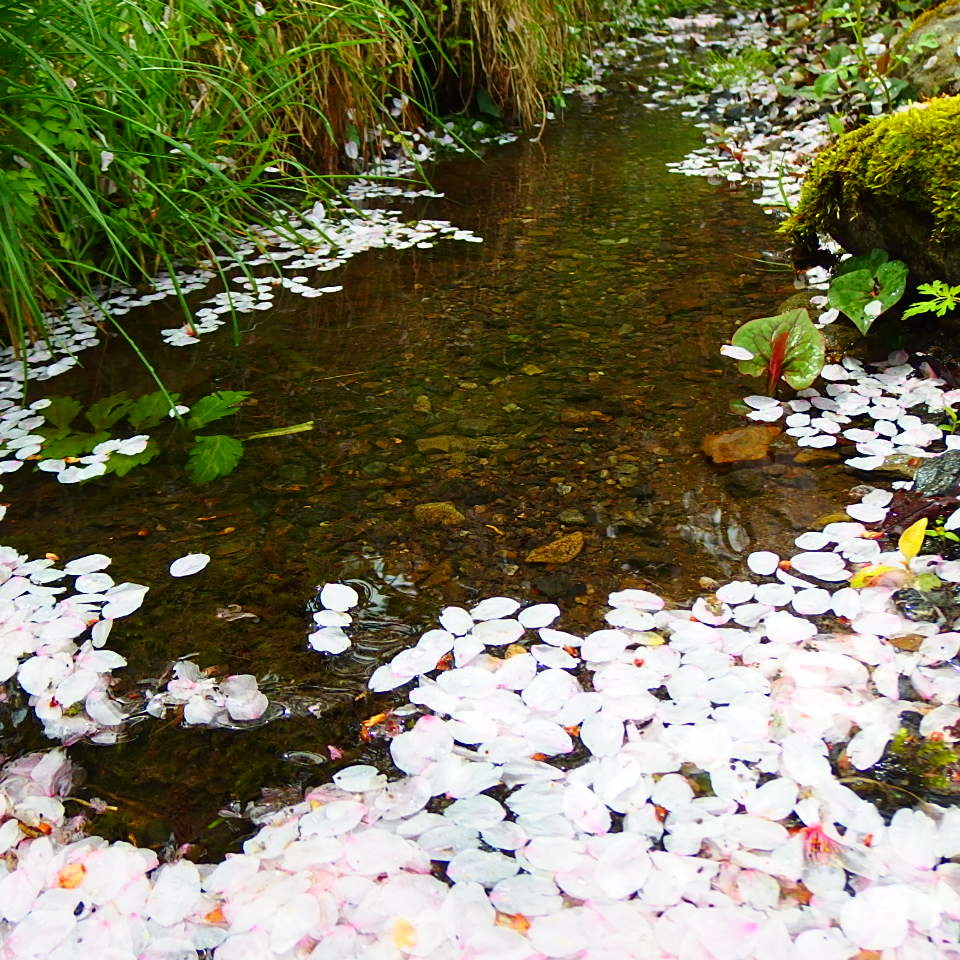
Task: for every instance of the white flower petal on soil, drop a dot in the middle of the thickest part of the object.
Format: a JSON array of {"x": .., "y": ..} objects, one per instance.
[
  {"x": 498, "y": 633},
  {"x": 189, "y": 564},
  {"x": 877, "y": 918},
  {"x": 339, "y": 596},
  {"x": 763, "y": 562}
]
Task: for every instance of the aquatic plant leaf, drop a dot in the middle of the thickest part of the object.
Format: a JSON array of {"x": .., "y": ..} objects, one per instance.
[
  {"x": 62, "y": 411},
  {"x": 786, "y": 346},
  {"x": 212, "y": 457},
  {"x": 73, "y": 445},
  {"x": 911, "y": 540},
  {"x": 108, "y": 410},
  {"x": 122, "y": 463},
  {"x": 215, "y": 406},
  {"x": 864, "y": 282},
  {"x": 148, "y": 410}
]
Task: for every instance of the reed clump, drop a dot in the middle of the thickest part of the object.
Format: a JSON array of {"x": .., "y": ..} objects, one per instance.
[{"x": 138, "y": 134}]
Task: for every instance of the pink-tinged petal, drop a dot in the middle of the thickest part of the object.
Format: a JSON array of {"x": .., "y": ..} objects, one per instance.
[
  {"x": 763, "y": 562},
  {"x": 758, "y": 402},
  {"x": 559, "y": 638},
  {"x": 88, "y": 564},
  {"x": 495, "y": 608},
  {"x": 737, "y": 591},
  {"x": 339, "y": 596},
  {"x": 123, "y": 599},
  {"x": 498, "y": 633},
  {"x": 638, "y": 599},
  {"x": 188, "y": 565},
  {"x": 823, "y": 566},
  {"x": 774, "y": 800},
  {"x": 847, "y": 603},
  {"x": 775, "y": 594},
  {"x": 176, "y": 889},
  {"x": 783, "y": 627},
  {"x": 602, "y": 734},
  {"x": 866, "y": 462},
  {"x": 629, "y": 618},
  {"x": 329, "y": 640},
  {"x": 877, "y": 918},
  {"x": 812, "y": 602},
  {"x": 766, "y": 415},
  {"x": 867, "y": 512},
  {"x": 456, "y": 620},
  {"x": 481, "y": 867},
  {"x": 812, "y": 540},
  {"x": 538, "y": 616},
  {"x": 604, "y": 645},
  {"x": 735, "y": 353}
]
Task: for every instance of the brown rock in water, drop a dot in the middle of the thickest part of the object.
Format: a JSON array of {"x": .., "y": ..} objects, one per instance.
[
  {"x": 562, "y": 550},
  {"x": 743, "y": 443},
  {"x": 440, "y": 514}
]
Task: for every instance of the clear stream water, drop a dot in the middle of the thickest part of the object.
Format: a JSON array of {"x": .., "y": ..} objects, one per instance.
[{"x": 557, "y": 378}]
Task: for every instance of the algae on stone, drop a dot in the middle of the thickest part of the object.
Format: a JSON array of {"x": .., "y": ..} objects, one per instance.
[{"x": 892, "y": 184}]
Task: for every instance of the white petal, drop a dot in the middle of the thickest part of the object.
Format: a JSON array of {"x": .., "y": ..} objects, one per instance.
[
  {"x": 339, "y": 596},
  {"x": 189, "y": 564}
]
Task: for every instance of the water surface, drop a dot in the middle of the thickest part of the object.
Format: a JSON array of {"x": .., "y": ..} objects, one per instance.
[{"x": 557, "y": 378}]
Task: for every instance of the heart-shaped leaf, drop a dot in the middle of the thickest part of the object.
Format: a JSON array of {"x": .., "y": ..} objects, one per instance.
[
  {"x": 787, "y": 346},
  {"x": 867, "y": 286}
]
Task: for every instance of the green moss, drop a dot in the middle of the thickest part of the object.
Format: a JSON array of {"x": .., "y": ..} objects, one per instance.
[{"x": 909, "y": 158}]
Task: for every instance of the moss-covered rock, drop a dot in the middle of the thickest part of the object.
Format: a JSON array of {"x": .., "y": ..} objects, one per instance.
[
  {"x": 893, "y": 184},
  {"x": 926, "y": 55}
]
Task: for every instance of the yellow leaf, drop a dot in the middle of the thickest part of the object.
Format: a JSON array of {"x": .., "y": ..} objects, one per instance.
[
  {"x": 911, "y": 540},
  {"x": 866, "y": 576}
]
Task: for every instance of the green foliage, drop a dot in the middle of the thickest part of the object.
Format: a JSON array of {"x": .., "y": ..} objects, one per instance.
[
  {"x": 787, "y": 346},
  {"x": 941, "y": 299},
  {"x": 208, "y": 458},
  {"x": 907, "y": 159},
  {"x": 107, "y": 411},
  {"x": 213, "y": 456},
  {"x": 866, "y": 286},
  {"x": 147, "y": 411},
  {"x": 215, "y": 406},
  {"x": 721, "y": 71},
  {"x": 925, "y": 763}
]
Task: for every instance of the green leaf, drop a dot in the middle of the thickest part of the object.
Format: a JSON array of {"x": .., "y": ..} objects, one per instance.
[
  {"x": 215, "y": 406},
  {"x": 865, "y": 261},
  {"x": 147, "y": 411},
  {"x": 122, "y": 463},
  {"x": 875, "y": 279},
  {"x": 803, "y": 353},
  {"x": 62, "y": 411},
  {"x": 106, "y": 412},
  {"x": 73, "y": 445},
  {"x": 212, "y": 457}
]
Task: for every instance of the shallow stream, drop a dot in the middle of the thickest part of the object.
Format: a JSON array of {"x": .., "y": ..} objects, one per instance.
[{"x": 558, "y": 378}]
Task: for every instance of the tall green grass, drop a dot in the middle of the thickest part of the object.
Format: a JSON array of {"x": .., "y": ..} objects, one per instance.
[{"x": 136, "y": 134}]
